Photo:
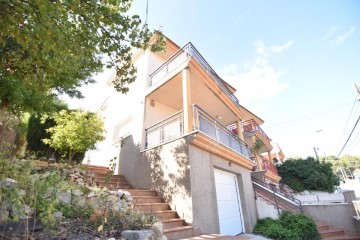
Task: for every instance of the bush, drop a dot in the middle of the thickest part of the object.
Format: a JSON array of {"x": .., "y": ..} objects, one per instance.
[
  {"x": 289, "y": 226},
  {"x": 308, "y": 174}
]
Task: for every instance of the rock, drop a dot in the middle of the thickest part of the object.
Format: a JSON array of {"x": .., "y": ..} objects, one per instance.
[
  {"x": 111, "y": 238},
  {"x": 49, "y": 192},
  {"x": 79, "y": 201},
  {"x": 28, "y": 210},
  {"x": 93, "y": 194},
  {"x": 77, "y": 192},
  {"x": 8, "y": 182},
  {"x": 22, "y": 192},
  {"x": 137, "y": 234},
  {"x": 4, "y": 215},
  {"x": 94, "y": 202},
  {"x": 64, "y": 197},
  {"x": 119, "y": 205},
  {"x": 58, "y": 215},
  {"x": 158, "y": 229}
]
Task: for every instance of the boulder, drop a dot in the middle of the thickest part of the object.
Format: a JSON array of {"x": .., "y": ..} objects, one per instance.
[
  {"x": 8, "y": 182},
  {"x": 137, "y": 234},
  {"x": 64, "y": 197}
]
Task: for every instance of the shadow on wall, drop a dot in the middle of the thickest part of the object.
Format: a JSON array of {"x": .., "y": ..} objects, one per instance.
[
  {"x": 134, "y": 165},
  {"x": 170, "y": 170}
]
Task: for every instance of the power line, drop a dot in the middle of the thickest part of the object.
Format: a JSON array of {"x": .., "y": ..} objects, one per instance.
[
  {"x": 342, "y": 135},
  {"x": 349, "y": 136}
]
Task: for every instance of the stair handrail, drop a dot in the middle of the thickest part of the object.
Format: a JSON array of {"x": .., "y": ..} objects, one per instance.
[{"x": 277, "y": 191}]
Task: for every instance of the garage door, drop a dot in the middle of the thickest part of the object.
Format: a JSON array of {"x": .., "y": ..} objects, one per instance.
[{"x": 228, "y": 201}]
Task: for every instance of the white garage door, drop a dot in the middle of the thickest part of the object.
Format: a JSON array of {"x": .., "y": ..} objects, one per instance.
[{"x": 228, "y": 201}]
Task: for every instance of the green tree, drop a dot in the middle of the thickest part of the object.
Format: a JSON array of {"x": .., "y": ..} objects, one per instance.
[
  {"x": 75, "y": 132},
  {"x": 52, "y": 47},
  {"x": 308, "y": 174}
]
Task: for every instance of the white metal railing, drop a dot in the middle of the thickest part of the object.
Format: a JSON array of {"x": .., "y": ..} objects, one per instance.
[
  {"x": 357, "y": 208},
  {"x": 180, "y": 57},
  {"x": 209, "y": 126},
  {"x": 165, "y": 130}
]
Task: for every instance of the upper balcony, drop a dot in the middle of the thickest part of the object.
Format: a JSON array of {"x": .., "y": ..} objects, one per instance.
[
  {"x": 266, "y": 165},
  {"x": 182, "y": 56},
  {"x": 251, "y": 127}
]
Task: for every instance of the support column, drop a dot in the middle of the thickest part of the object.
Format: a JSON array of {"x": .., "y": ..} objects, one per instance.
[
  {"x": 239, "y": 129},
  {"x": 269, "y": 156},
  {"x": 187, "y": 108}
]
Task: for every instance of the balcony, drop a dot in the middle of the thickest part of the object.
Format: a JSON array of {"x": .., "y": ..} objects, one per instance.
[
  {"x": 269, "y": 166},
  {"x": 251, "y": 125},
  {"x": 213, "y": 129},
  {"x": 172, "y": 127},
  {"x": 180, "y": 57},
  {"x": 166, "y": 130}
]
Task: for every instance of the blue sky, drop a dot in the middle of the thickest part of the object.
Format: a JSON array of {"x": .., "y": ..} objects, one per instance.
[{"x": 293, "y": 62}]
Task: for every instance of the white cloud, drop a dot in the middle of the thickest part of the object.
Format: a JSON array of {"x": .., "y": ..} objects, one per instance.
[
  {"x": 258, "y": 81},
  {"x": 330, "y": 33},
  {"x": 340, "y": 39},
  {"x": 280, "y": 48},
  {"x": 333, "y": 37}
]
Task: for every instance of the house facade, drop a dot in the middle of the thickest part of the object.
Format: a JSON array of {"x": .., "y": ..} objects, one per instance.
[{"x": 181, "y": 131}]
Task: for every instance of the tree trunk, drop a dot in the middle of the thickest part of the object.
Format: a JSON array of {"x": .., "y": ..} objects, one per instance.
[{"x": 71, "y": 154}]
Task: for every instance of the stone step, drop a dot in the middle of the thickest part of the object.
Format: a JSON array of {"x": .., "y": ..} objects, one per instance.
[
  {"x": 152, "y": 207},
  {"x": 146, "y": 199},
  {"x": 331, "y": 233},
  {"x": 179, "y": 232},
  {"x": 112, "y": 181},
  {"x": 138, "y": 192},
  {"x": 101, "y": 176},
  {"x": 98, "y": 169},
  {"x": 164, "y": 215},
  {"x": 322, "y": 226},
  {"x": 114, "y": 185},
  {"x": 107, "y": 174},
  {"x": 173, "y": 223},
  {"x": 344, "y": 237}
]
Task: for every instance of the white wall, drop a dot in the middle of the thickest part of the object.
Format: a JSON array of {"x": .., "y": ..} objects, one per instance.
[{"x": 266, "y": 210}]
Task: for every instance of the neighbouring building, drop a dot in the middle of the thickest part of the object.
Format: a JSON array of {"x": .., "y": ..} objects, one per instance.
[{"x": 181, "y": 131}]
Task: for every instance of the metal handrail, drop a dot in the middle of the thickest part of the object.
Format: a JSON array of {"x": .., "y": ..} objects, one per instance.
[
  {"x": 191, "y": 51},
  {"x": 162, "y": 127},
  {"x": 197, "y": 110},
  {"x": 255, "y": 126},
  {"x": 296, "y": 202}
]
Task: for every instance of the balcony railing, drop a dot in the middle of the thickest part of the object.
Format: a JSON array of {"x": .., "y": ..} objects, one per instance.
[
  {"x": 251, "y": 125},
  {"x": 180, "y": 57},
  {"x": 209, "y": 126},
  {"x": 269, "y": 166},
  {"x": 165, "y": 130}
]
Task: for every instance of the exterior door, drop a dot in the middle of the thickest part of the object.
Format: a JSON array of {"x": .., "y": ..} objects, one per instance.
[{"x": 228, "y": 202}]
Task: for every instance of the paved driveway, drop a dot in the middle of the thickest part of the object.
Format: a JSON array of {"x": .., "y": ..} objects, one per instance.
[{"x": 222, "y": 237}]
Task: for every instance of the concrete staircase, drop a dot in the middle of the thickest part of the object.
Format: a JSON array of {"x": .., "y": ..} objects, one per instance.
[
  {"x": 331, "y": 233},
  {"x": 148, "y": 202}
]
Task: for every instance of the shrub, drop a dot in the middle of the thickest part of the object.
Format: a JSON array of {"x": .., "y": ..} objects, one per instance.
[
  {"x": 308, "y": 174},
  {"x": 289, "y": 226}
]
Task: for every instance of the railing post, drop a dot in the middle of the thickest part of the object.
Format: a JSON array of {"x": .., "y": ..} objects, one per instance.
[{"x": 277, "y": 207}]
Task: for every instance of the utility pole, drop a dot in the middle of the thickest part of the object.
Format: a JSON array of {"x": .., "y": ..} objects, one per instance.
[
  {"x": 357, "y": 90},
  {"x": 316, "y": 154}
]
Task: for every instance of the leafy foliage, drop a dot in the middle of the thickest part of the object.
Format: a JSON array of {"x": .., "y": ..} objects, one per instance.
[
  {"x": 289, "y": 226},
  {"x": 75, "y": 132},
  {"x": 53, "y": 47},
  {"x": 308, "y": 174}
]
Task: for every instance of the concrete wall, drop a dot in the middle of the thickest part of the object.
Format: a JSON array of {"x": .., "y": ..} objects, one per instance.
[
  {"x": 266, "y": 210},
  {"x": 337, "y": 215},
  {"x": 202, "y": 166},
  {"x": 170, "y": 175}
]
